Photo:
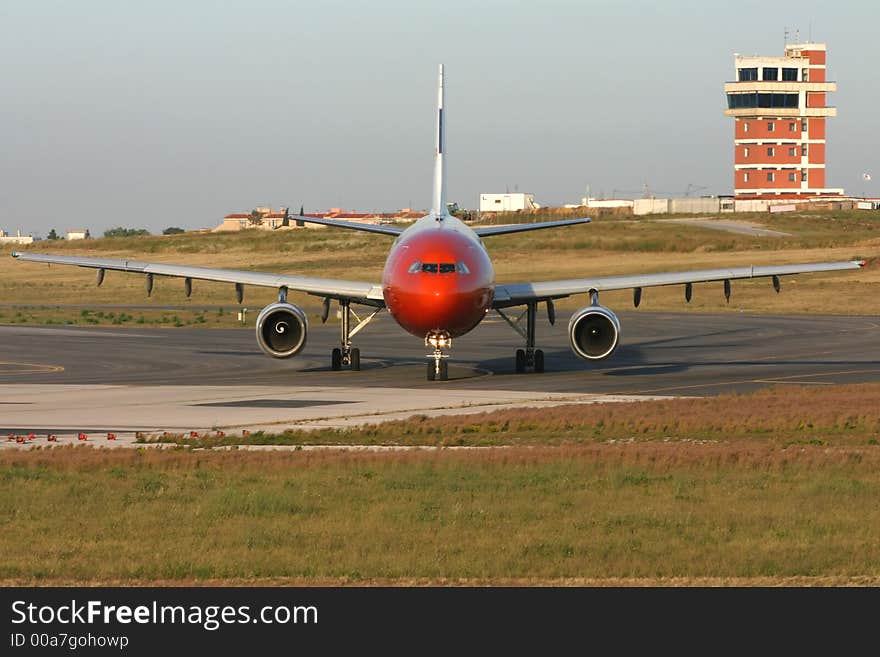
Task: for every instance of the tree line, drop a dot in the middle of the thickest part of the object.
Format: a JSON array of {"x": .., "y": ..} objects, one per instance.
[{"x": 119, "y": 231}]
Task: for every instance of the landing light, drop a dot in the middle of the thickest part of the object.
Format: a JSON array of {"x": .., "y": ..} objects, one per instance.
[{"x": 439, "y": 341}]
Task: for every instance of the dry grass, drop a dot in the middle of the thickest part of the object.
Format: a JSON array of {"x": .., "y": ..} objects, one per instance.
[
  {"x": 648, "y": 512},
  {"x": 837, "y": 415}
]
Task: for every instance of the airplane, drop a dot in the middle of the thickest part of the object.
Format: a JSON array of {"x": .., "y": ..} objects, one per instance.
[{"x": 438, "y": 284}]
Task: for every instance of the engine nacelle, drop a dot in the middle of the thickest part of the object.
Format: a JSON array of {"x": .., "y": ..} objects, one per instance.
[
  {"x": 594, "y": 332},
  {"x": 281, "y": 330}
]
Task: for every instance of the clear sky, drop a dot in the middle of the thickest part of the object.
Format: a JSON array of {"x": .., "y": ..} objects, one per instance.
[{"x": 175, "y": 113}]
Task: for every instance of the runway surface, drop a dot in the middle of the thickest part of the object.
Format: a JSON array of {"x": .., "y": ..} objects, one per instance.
[{"x": 103, "y": 379}]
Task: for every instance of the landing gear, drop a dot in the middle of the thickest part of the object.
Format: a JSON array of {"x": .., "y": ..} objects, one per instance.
[
  {"x": 438, "y": 373},
  {"x": 346, "y": 354},
  {"x": 522, "y": 361},
  {"x": 539, "y": 361},
  {"x": 438, "y": 367},
  {"x": 355, "y": 359},
  {"x": 528, "y": 357}
]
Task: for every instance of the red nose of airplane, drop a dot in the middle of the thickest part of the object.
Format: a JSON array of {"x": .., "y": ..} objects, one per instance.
[{"x": 438, "y": 280}]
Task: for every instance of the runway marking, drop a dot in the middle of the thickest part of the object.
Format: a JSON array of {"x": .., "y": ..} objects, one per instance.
[
  {"x": 797, "y": 355},
  {"x": 30, "y": 368},
  {"x": 799, "y": 383},
  {"x": 741, "y": 381}
]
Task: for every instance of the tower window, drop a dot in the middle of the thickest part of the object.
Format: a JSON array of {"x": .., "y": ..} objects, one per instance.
[
  {"x": 761, "y": 99},
  {"x": 748, "y": 74},
  {"x": 746, "y": 177},
  {"x": 803, "y": 125},
  {"x": 803, "y": 149},
  {"x": 805, "y": 75},
  {"x": 792, "y": 177},
  {"x": 771, "y": 151},
  {"x": 745, "y": 126},
  {"x": 792, "y": 151},
  {"x": 804, "y": 176},
  {"x": 770, "y": 176},
  {"x": 789, "y": 75},
  {"x": 770, "y": 126},
  {"x": 792, "y": 126},
  {"x": 770, "y": 73},
  {"x": 746, "y": 151}
]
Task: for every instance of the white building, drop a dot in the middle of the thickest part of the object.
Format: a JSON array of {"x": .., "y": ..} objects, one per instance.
[
  {"x": 6, "y": 238},
  {"x": 507, "y": 202},
  {"x": 78, "y": 234}
]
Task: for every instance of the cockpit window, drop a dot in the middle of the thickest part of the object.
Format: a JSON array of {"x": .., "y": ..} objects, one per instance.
[{"x": 441, "y": 268}]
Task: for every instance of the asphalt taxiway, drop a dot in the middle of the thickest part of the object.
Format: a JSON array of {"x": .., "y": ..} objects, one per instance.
[{"x": 69, "y": 379}]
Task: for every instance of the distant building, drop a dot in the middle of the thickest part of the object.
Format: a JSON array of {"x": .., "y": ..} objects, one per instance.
[
  {"x": 18, "y": 238},
  {"x": 779, "y": 111},
  {"x": 78, "y": 234},
  {"x": 267, "y": 219},
  {"x": 609, "y": 203},
  {"x": 507, "y": 202}
]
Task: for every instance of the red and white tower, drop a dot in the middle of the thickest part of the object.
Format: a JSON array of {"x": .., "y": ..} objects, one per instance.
[{"x": 779, "y": 111}]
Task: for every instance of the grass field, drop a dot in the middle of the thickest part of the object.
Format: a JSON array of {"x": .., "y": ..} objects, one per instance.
[
  {"x": 784, "y": 490},
  {"x": 606, "y": 247}
]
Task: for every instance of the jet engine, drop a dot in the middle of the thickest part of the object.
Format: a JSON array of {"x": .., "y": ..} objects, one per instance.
[
  {"x": 281, "y": 330},
  {"x": 594, "y": 332}
]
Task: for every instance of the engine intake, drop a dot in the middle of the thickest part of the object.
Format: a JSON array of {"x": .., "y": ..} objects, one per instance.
[
  {"x": 281, "y": 330},
  {"x": 594, "y": 332}
]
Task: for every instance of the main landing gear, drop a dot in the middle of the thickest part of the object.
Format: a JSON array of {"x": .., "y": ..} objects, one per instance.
[
  {"x": 438, "y": 366},
  {"x": 346, "y": 354},
  {"x": 528, "y": 357}
]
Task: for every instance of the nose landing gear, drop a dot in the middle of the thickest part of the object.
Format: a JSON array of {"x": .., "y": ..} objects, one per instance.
[{"x": 438, "y": 367}]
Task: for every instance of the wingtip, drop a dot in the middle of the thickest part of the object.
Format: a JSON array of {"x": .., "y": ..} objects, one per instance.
[
  {"x": 861, "y": 263},
  {"x": 15, "y": 254}
]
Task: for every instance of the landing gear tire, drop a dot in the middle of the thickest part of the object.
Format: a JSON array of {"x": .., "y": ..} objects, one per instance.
[
  {"x": 444, "y": 371},
  {"x": 520, "y": 361},
  {"x": 432, "y": 374},
  {"x": 355, "y": 359},
  {"x": 539, "y": 361},
  {"x": 336, "y": 360}
]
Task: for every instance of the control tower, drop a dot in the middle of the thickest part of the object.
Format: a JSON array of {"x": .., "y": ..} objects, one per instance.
[{"x": 779, "y": 112}]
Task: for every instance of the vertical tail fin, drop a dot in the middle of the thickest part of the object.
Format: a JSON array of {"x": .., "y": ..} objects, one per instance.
[{"x": 439, "y": 204}]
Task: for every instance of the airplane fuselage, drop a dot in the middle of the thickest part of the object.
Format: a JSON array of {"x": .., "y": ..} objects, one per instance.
[{"x": 438, "y": 278}]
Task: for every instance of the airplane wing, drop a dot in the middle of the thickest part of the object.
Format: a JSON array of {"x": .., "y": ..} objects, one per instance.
[
  {"x": 397, "y": 230},
  {"x": 361, "y": 292},
  {"x": 518, "y": 228},
  {"x": 351, "y": 225},
  {"x": 514, "y": 294}
]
